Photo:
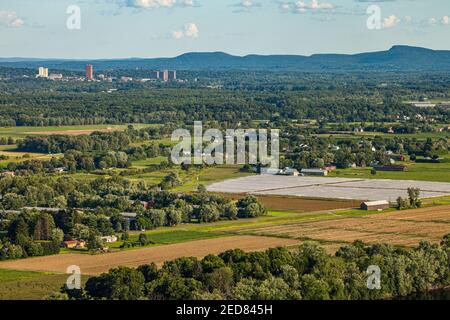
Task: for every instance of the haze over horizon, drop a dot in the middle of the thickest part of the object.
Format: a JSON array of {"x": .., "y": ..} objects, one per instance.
[{"x": 112, "y": 29}]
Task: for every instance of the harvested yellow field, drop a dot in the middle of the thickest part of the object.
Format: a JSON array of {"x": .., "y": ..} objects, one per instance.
[
  {"x": 97, "y": 264},
  {"x": 402, "y": 228},
  {"x": 73, "y": 132}
]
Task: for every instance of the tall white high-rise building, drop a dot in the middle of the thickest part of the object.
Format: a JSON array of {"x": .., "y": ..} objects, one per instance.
[{"x": 43, "y": 72}]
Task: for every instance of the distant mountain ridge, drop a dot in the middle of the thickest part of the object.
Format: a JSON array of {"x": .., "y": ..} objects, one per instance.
[{"x": 398, "y": 58}]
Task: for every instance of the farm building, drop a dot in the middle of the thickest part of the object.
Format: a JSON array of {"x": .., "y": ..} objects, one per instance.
[
  {"x": 269, "y": 170},
  {"x": 375, "y": 205},
  {"x": 74, "y": 244},
  {"x": 130, "y": 216},
  {"x": 110, "y": 239},
  {"x": 398, "y": 158},
  {"x": 144, "y": 204},
  {"x": 315, "y": 172},
  {"x": 390, "y": 168},
  {"x": 8, "y": 174},
  {"x": 289, "y": 172}
]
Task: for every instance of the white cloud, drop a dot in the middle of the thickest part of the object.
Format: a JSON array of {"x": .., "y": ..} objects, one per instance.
[
  {"x": 408, "y": 19},
  {"x": 302, "y": 6},
  {"x": 390, "y": 21},
  {"x": 432, "y": 21},
  {"x": 190, "y": 31},
  {"x": 446, "y": 20},
  {"x": 11, "y": 19},
  {"x": 247, "y": 3},
  {"x": 246, "y": 6},
  {"x": 177, "y": 34},
  {"x": 152, "y": 4}
]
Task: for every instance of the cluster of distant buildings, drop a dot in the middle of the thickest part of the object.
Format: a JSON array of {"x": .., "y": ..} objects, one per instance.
[
  {"x": 425, "y": 103},
  {"x": 320, "y": 172},
  {"x": 163, "y": 75},
  {"x": 43, "y": 73}
]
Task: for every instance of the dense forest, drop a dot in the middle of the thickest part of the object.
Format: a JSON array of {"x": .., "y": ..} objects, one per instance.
[
  {"x": 92, "y": 209},
  {"x": 228, "y": 97}
]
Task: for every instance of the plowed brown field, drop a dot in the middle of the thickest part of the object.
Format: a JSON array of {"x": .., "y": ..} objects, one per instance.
[
  {"x": 97, "y": 264},
  {"x": 296, "y": 204}
]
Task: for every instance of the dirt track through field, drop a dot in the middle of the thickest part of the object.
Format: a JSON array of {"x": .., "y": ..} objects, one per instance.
[{"x": 97, "y": 264}]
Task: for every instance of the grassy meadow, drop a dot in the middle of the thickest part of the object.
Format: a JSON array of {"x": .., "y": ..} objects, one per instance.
[
  {"x": 30, "y": 285},
  {"x": 439, "y": 172}
]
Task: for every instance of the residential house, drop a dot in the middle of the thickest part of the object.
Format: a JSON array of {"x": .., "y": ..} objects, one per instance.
[{"x": 74, "y": 244}]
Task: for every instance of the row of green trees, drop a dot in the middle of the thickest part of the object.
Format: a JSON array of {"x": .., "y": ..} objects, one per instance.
[
  {"x": 345, "y": 97},
  {"x": 202, "y": 208},
  {"x": 307, "y": 273}
]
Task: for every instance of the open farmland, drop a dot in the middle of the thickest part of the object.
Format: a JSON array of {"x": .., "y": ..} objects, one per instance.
[
  {"x": 23, "y": 131},
  {"x": 402, "y": 228},
  {"x": 296, "y": 204},
  {"x": 330, "y": 188},
  {"x": 30, "y": 285},
  {"x": 97, "y": 264}
]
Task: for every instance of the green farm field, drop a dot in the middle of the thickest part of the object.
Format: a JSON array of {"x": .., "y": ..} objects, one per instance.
[
  {"x": 210, "y": 175},
  {"x": 168, "y": 236},
  {"x": 30, "y": 285},
  {"x": 439, "y": 172},
  {"x": 14, "y": 155},
  {"x": 358, "y": 135}
]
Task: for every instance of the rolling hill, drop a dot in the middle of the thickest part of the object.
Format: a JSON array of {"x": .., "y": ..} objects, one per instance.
[{"x": 398, "y": 58}]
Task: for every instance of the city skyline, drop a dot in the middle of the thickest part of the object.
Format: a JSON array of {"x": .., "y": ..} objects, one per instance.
[{"x": 168, "y": 28}]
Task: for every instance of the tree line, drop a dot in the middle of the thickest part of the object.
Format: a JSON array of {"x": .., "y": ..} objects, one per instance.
[{"x": 304, "y": 273}]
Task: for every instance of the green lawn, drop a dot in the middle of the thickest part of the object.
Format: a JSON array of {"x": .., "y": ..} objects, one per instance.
[
  {"x": 178, "y": 236},
  {"x": 140, "y": 164},
  {"x": 14, "y": 275},
  {"x": 169, "y": 236},
  {"x": 151, "y": 178},
  {"x": 416, "y": 171},
  {"x": 358, "y": 135},
  {"x": 190, "y": 179},
  {"x": 30, "y": 285},
  {"x": 209, "y": 175}
]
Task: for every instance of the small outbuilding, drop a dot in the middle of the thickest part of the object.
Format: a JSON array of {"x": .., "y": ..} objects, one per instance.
[
  {"x": 315, "y": 172},
  {"x": 269, "y": 170},
  {"x": 375, "y": 205},
  {"x": 289, "y": 172},
  {"x": 110, "y": 239}
]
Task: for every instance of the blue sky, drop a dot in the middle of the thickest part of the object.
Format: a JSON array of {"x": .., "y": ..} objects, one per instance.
[{"x": 156, "y": 28}]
